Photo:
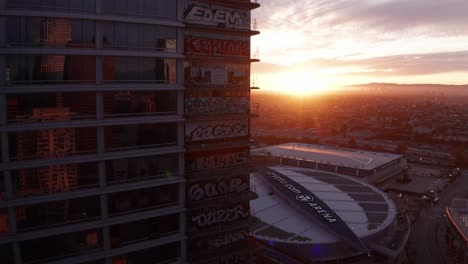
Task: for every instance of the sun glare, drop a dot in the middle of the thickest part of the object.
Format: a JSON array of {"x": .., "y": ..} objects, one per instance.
[{"x": 303, "y": 83}]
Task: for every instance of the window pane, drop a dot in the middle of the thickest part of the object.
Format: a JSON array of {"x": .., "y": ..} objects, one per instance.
[
  {"x": 139, "y": 36},
  {"x": 140, "y": 136},
  {"x": 143, "y": 199},
  {"x": 197, "y": 72},
  {"x": 50, "y": 107},
  {"x": 216, "y": 105},
  {"x": 142, "y": 168},
  {"x": 125, "y": 103},
  {"x": 55, "y": 179},
  {"x": 4, "y": 224},
  {"x": 138, "y": 231},
  {"x": 161, "y": 254},
  {"x": 133, "y": 69},
  {"x": 72, "y": 6},
  {"x": 50, "y": 32},
  {"x": 6, "y": 253},
  {"x": 57, "y": 213},
  {"x": 50, "y": 69},
  {"x": 142, "y": 8},
  {"x": 54, "y": 143},
  {"x": 66, "y": 245}
]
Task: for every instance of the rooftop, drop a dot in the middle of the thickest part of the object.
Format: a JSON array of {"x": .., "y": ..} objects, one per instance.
[
  {"x": 332, "y": 155},
  {"x": 364, "y": 208}
]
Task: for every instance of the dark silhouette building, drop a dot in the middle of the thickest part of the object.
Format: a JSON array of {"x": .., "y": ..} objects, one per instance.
[{"x": 124, "y": 131}]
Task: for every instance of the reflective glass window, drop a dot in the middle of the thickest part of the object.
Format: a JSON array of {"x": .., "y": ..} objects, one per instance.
[
  {"x": 162, "y": 254},
  {"x": 50, "y": 107},
  {"x": 49, "y": 69},
  {"x": 140, "y": 136},
  {"x": 143, "y": 199},
  {"x": 67, "y": 245},
  {"x": 50, "y": 32},
  {"x": 6, "y": 253},
  {"x": 35, "y": 216},
  {"x": 4, "y": 224},
  {"x": 130, "y": 103},
  {"x": 201, "y": 72},
  {"x": 139, "y": 69},
  {"x": 68, "y": 6},
  {"x": 141, "y": 8},
  {"x": 139, "y": 36},
  {"x": 147, "y": 229},
  {"x": 53, "y": 143},
  {"x": 141, "y": 168},
  {"x": 55, "y": 179}
]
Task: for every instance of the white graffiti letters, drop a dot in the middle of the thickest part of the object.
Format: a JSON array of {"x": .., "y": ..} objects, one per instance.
[
  {"x": 220, "y": 216},
  {"x": 227, "y": 18},
  {"x": 227, "y": 239},
  {"x": 220, "y": 161},
  {"x": 201, "y": 191}
]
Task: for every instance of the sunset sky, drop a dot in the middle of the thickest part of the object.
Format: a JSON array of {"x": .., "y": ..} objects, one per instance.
[{"x": 315, "y": 45}]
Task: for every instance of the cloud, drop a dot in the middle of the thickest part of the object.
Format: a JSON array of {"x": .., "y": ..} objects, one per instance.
[{"x": 396, "y": 65}]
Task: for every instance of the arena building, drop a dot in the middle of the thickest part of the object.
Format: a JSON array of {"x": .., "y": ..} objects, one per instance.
[
  {"x": 304, "y": 215},
  {"x": 372, "y": 167}
]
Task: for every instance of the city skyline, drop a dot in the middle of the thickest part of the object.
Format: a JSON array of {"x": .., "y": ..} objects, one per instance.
[{"x": 315, "y": 46}]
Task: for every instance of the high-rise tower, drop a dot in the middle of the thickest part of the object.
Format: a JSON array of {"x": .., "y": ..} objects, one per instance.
[{"x": 124, "y": 131}]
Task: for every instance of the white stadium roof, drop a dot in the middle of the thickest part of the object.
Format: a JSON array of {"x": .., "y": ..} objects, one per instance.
[
  {"x": 331, "y": 155},
  {"x": 365, "y": 209}
]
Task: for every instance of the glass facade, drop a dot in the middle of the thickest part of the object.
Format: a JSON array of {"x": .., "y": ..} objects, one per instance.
[
  {"x": 52, "y": 143},
  {"x": 133, "y": 232},
  {"x": 143, "y": 199},
  {"x": 141, "y": 8},
  {"x": 49, "y": 69},
  {"x": 55, "y": 179},
  {"x": 51, "y": 107},
  {"x": 127, "y": 137},
  {"x": 54, "y": 247},
  {"x": 162, "y": 254},
  {"x": 139, "y": 70},
  {"x": 139, "y": 37},
  {"x": 57, "y": 213},
  {"x": 92, "y": 97},
  {"x": 132, "y": 103},
  {"x": 141, "y": 168},
  {"x": 66, "y": 6},
  {"x": 50, "y": 32}
]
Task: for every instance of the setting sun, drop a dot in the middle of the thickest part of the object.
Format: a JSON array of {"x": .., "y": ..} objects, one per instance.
[{"x": 296, "y": 83}]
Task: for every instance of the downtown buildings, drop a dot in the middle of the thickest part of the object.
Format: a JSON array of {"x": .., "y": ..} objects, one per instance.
[{"x": 124, "y": 131}]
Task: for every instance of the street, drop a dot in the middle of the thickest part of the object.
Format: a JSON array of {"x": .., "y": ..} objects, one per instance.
[{"x": 427, "y": 240}]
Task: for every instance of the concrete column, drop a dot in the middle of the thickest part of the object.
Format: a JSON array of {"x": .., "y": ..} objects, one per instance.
[
  {"x": 98, "y": 7},
  {"x": 17, "y": 253},
  {"x": 2, "y": 31},
  {"x": 180, "y": 10},
  {"x": 4, "y": 76},
  {"x": 180, "y": 134},
  {"x": 180, "y": 103},
  {"x": 181, "y": 165}
]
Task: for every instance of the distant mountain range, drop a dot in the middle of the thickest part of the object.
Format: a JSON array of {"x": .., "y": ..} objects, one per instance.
[{"x": 417, "y": 89}]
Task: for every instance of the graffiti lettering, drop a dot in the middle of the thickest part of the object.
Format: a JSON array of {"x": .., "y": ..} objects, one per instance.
[
  {"x": 227, "y": 239},
  {"x": 220, "y": 161},
  {"x": 200, "y": 191},
  {"x": 218, "y": 17},
  {"x": 220, "y": 216},
  {"x": 216, "y": 47},
  {"x": 208, "y": 105},
  {"x": 215, "y": 130}
]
